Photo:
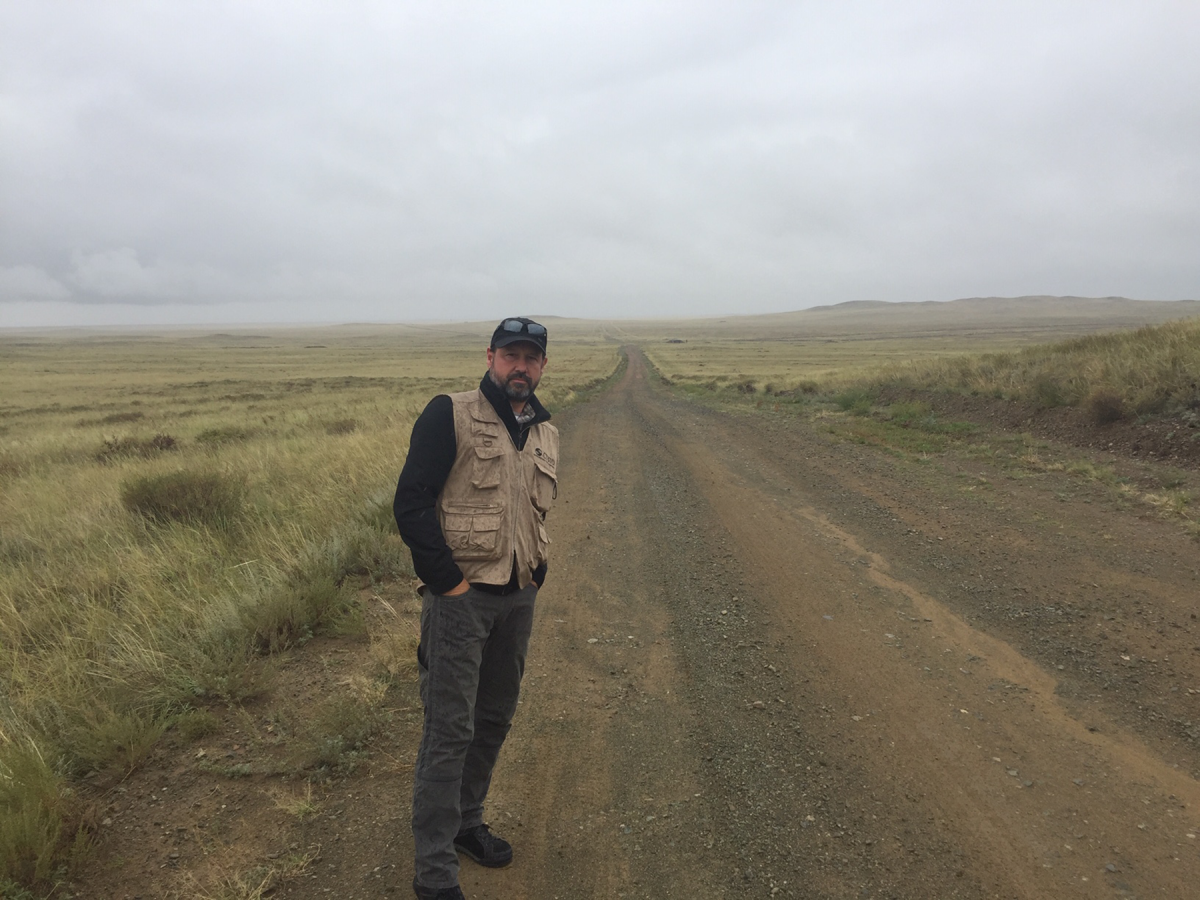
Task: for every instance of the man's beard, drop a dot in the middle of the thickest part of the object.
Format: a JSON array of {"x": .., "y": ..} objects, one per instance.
[{"x": 512, "y": 391}]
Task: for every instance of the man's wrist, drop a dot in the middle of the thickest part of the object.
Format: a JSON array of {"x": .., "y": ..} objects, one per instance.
[{"x": 450, "y": 585}]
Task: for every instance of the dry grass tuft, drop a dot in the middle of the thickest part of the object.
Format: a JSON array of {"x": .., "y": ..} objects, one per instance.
[
  {"x": 202, "y": 498},
  {"x": 301, "y": 805},
  {"x": 117, "y": 418},
  {"x": 115, "y": 448},
  {"x": 40, "y": 818},
  {"x": 394, "y": 647},
  {"x": 225, "y": 434},
  {"x": 255, "y": 883},
  {"x": 1104, "y": 406}
]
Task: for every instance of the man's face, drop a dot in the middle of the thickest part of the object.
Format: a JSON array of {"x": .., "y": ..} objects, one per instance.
[{"x": 516, "y": 368}]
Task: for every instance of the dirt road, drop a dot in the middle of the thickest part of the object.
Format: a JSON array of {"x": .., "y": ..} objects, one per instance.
[{"x": 772, "y": 664}]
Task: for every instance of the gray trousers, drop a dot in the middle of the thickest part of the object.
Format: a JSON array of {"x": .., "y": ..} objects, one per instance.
[{"x": 472, "y": 657}]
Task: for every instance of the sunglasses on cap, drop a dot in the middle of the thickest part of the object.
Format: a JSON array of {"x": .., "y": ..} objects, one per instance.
[{"x": 516, "y": 326}]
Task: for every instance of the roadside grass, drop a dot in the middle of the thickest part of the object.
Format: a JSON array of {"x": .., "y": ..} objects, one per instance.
[
  {"x": 920, "y": 437},
  {"x": 177, "y": 507},
  {"x": 331, "y": 739},
  {"x": 394, "y": 650},
  {"x": 298, "y": 804},
  {"x": 849, "y": 385},
  {"x": 1146, "y": 371},
  {"x": 906, "y": 430},
  {"x": 785, "y": 369}
]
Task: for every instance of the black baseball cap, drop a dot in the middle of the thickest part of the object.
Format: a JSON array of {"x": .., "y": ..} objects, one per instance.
[{"x": 516, "y": 329}]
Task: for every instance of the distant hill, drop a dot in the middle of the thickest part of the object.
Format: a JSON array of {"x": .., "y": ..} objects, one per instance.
[
  {"x": 1033, "y": 314},
  {"x": 851, "y": 304},
  {"x": 1033, "y": 318},
  {"x": 1041, "y": 303}
]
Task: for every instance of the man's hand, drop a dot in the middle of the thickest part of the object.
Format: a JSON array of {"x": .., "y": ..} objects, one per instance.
[{"x": 461, "y": 588}]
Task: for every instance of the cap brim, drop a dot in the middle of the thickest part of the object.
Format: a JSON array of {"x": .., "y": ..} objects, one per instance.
[{"x": 518, "y": 338}]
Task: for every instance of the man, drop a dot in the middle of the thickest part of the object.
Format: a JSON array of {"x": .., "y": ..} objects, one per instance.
[{"x": 480, "y": 477}]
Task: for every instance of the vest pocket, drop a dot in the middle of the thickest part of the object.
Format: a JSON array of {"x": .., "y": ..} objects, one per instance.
[
  {"x": 545, "y": 485},
  {"x": 487, "y": 467},
  {"x": 472, "y": 532}
]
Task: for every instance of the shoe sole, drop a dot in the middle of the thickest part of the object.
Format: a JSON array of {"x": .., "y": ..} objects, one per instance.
[{"x": 486, "y": 863}]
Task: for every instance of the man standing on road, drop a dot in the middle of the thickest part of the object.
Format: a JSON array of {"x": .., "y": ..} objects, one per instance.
[{"x": 471, "y": 505}]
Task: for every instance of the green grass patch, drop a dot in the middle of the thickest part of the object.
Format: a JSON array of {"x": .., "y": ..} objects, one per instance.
[
  {"x": 331, "y": 739},
  {"x": 856, "y": 401},
  {"x": 41, "y": 834}
]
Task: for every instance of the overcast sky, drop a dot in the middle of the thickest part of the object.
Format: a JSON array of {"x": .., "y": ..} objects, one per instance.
[{"x": 290, "y": 161}]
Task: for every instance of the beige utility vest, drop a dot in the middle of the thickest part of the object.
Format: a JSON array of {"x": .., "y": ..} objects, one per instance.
[{"x": 494, "y": 503}]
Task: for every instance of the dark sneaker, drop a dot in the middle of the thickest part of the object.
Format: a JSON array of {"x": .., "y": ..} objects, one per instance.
[
  {"x": 424, "y": 893},
  {"x": 484, "y": 847}
]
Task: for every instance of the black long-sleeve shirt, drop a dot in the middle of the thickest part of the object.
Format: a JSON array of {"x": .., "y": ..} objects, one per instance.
[{"x": 431, "y": 453}]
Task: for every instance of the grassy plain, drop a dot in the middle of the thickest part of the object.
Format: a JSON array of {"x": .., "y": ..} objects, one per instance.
[
  {"x": 176, "y": 504},
  {"x": 878, "y": 374},
  {"x": 841, "y": 346}
]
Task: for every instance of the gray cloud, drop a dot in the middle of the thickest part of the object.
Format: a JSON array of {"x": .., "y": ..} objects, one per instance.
[{"x": 306, "y": 162}]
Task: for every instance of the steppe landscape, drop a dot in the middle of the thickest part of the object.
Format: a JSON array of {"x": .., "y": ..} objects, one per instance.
[{"x": 874, "y": 600}]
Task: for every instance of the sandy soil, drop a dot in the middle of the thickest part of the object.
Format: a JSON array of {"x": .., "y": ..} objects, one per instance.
[{"x": 766, "y": 664}]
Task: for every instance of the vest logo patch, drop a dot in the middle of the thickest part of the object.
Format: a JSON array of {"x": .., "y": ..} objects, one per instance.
[{"x": 537, "y": 451}]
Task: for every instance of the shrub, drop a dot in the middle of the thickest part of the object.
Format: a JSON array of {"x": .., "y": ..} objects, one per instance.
[
  {"x": 141, "y": 447},
  {"x": 1103, "y": 407},
  {"x": 289, "y": 613},
  {"x": 213, "y": 437},
  {"x": 106, "y": 735},
  {"x": 204, "y": 498},
  {"x": 122, "y": 417},
  {"x": 193, "y": 724},
  {"x": 855, "y": 401},
  {"x": 1046, "y": 392}
]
